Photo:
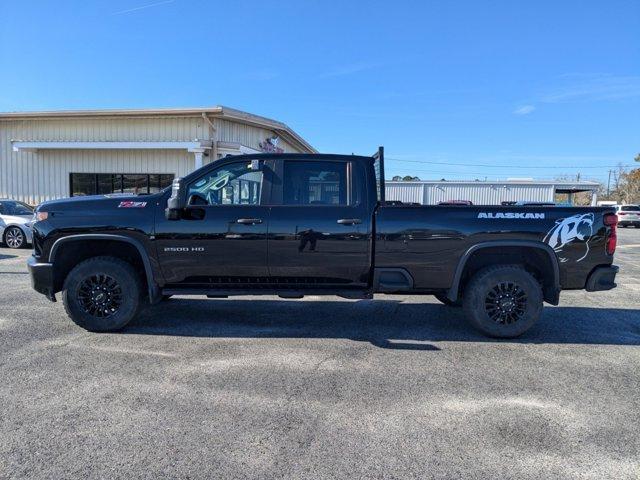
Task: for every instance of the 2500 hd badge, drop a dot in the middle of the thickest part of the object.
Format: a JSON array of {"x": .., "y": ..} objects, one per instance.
[{"x": 184, "y": 249}]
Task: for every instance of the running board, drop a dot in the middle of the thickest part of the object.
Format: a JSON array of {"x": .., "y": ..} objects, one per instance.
[{"x": 224, "y": 293}]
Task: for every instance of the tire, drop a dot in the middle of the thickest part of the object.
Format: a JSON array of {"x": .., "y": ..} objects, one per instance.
[
  {"x": 489, "y": 303},
  {"x": 14, "y": 237},
  {"x": 442, "y": 298},
  {"x": 84, "y": 291}
]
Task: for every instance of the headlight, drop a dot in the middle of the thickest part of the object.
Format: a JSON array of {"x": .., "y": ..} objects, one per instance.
[{"x": 39, "y": 216}]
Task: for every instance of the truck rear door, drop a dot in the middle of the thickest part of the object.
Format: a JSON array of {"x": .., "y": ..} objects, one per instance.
[{"x": 320, "y": 224}]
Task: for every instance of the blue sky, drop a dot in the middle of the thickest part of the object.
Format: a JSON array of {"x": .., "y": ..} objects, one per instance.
[{"x": 454, "y": 89}]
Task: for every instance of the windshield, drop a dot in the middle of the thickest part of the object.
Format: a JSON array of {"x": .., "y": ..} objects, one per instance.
[
  {"x": 16, "y": 208},
  {"x": 630, "y": 208}
]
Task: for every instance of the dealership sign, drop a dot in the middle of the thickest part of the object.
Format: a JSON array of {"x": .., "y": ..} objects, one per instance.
[{"x": 270, "y": 145}]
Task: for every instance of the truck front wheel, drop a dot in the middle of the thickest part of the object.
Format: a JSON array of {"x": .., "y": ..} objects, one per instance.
[
  {"x": 503, "y": 301},
  {"x": 102, "y": 294}
]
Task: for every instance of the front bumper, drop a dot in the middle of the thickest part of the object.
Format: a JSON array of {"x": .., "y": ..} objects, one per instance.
[
  {"x": 41, "y": 277},
  {"x": 602, "y": 278}
]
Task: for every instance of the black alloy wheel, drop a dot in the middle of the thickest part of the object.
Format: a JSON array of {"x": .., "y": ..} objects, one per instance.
[
  {"x": 100, "y": 295},
  {"x": 103, "y": 294},
  {"x": 506, "y": 303},
  {"x": 503, "y": 301}
]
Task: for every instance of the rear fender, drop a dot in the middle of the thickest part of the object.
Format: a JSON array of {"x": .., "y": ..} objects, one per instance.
[{"x": 552, "y": 294}]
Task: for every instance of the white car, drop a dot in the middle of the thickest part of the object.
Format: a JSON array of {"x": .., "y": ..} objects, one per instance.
[
  {"x": 628, "y": 215},
  {"x": 15, "y": 223}
]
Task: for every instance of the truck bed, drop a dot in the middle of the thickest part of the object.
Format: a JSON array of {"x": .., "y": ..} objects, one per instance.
[{"x": 430, "y": 241}]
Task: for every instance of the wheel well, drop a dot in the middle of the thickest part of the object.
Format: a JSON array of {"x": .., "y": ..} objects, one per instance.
[
  {"x": 70, "y": 254},
  {"x": 536, "y": 261}
]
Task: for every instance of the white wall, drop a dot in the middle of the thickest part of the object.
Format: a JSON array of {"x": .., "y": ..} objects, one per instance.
[
  {"x": 33, "y": 177},
  {"x": 478, "y": 193}
]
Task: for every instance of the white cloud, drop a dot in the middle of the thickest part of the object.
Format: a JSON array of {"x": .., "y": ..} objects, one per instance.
[
  {"x": 348, "y": 69},
  {"x": 596, "y": 88},
  {"x": 586, "y": 88},
  {"x": 524, "y": 110},
  {"x": 142, "y": 7}
]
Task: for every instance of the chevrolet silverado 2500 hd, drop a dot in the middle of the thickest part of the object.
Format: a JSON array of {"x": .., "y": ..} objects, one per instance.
[{"x": 312, "y": 224}]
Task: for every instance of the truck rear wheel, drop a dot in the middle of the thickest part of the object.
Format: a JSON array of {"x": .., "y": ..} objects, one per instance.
[
  {"x": 503, "y": 301},
  {"x": 102, "y": 294}
]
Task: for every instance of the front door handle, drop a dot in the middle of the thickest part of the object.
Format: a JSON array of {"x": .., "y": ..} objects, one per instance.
[
  {"x": 349, "y": 221},
  {"x": 249, "y": 221}
]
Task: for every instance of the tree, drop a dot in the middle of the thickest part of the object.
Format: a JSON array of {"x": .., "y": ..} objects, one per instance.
[
  {"x": 409, "y": 178},
  {"x": 629, "y": 188},
  {"x": 396, "y": 178}
]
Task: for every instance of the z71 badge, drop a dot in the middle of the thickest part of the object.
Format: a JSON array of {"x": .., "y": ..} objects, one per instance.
[{"x": 130, "y": 204}]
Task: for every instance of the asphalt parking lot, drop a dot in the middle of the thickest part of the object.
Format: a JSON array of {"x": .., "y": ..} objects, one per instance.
[{"x": 259, "y": 387}]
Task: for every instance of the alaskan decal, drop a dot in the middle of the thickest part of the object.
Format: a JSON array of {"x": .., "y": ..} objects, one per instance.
[
  {"x": 130, "y": 204},
  {"x": 512, "y": 215},
  {"x": 569, "y": 230}
]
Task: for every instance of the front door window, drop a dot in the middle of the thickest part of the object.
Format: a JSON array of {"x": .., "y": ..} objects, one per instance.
[{"x": 231, "y": 184}]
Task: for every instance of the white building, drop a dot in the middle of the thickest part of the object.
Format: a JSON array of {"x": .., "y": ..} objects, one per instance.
[
  {"x": 485, "y": 193},
  {"x": 46, "y": 155}
]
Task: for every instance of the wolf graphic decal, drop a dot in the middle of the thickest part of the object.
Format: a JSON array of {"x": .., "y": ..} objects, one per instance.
[{"x": 566, "y": 230}]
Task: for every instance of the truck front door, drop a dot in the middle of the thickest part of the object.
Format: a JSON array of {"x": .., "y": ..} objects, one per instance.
[
  {"x": 222, "y": 239},
  {"x": 320, "y": 224}
]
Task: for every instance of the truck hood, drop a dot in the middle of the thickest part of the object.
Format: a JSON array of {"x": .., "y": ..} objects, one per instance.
[{"x": 97, "y": 203}]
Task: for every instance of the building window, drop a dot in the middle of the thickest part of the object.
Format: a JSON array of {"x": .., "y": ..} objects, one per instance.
[{"x": 106, "y": 183}]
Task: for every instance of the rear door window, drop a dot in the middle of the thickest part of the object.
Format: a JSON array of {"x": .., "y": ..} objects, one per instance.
[{"x": 315, "y": 183}]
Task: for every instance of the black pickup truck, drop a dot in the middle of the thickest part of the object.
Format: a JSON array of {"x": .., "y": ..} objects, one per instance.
[{"x": 299, "y": 224}]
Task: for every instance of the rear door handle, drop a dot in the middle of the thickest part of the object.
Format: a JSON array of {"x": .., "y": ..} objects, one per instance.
[
  {"x": 349, "y": 221},
  {"x": 249, "y": 221}
]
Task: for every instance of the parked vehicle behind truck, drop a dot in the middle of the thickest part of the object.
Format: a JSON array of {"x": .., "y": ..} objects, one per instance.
[
  {"x": 628, "y": 215},
  {"x": 300, "y": 224},
  {"x": 15, "y": 223}
]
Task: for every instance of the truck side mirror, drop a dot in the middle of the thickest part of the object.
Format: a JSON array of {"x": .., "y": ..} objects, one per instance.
[{"x": 176, "y": 202}]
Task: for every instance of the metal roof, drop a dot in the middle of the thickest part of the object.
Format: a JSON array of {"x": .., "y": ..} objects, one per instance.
[
  {"x": 559, "y": 184},
  {"x": 215, "y": 111}
]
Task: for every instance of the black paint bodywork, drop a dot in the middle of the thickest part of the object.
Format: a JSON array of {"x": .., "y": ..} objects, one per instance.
[{"x": 360, "y": 249}]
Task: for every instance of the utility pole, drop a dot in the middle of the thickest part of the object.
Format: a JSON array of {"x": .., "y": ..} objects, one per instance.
[{"x": 609, "y": 184}]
